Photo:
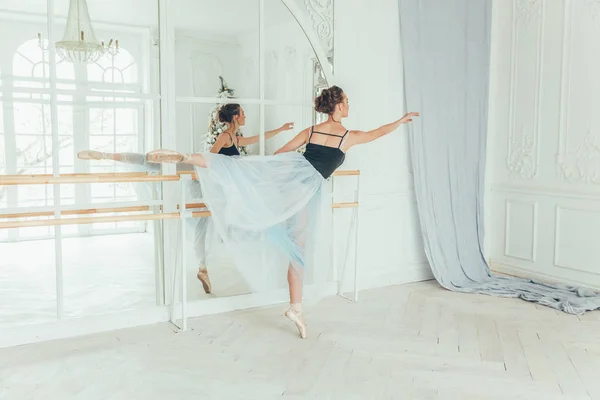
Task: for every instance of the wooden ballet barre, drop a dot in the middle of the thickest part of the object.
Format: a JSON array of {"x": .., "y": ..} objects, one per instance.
[
  {"x": 192, "y": 173},
  {"x": 92, "y": 211},
  {"x": 201, "y": 214},
  {"x": 353, "y": 172},
  {"x": 77, "y": 212},
  {"x": 193, "y": 205},
  {"x": 104, "y": 177},
  {"x": 345, "y": 205},
  {"x": 88, "y": 220}
]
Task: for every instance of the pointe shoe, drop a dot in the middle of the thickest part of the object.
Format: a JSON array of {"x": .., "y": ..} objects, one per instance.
[
  {"x": 203, "y": 277},
  {"x": 91, "y": 155},
  {"x": 166, "y": 156},
  {"x": 298, "y": 320}
]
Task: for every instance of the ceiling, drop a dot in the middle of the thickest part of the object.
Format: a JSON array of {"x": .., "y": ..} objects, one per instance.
[{"x": 228, "y": 17}]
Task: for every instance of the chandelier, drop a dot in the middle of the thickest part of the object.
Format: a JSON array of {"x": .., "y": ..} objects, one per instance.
[{"x": 79, "y": 43}]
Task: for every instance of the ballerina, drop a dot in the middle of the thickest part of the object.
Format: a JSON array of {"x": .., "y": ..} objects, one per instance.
[{"x": 277, "y": 197}]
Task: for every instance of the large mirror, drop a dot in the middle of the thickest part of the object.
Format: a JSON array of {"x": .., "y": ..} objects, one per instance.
[
  {"x": 218, "y": 60},
  {"x": 110, "y": 105}
]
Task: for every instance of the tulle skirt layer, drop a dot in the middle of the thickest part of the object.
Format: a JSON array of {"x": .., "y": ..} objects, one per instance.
[
  {"x": 201, "y": 233},
  {"x": 267, "y": 209}
]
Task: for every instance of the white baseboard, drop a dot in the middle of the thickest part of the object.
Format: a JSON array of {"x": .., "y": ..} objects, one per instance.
[
  {"x": 408, "y": 273},
  {"x": 513, "y": 270},
  {"x": 247, "y": 301}
]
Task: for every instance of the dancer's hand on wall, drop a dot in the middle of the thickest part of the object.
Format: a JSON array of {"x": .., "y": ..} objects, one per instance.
[{"x": 408, "y": 117}]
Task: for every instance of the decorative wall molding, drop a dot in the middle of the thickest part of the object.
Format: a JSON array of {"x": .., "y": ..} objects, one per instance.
[
  {"x": 524, "y": 271},
  {"x": 528, "y": 11},
  {"x": 321, "y": 14},
  {"x": 546, "y": 151},
  {"x": 582, "y": 165},
  {"x": 547, "y": 191},
  {"x": 523, "y": 144},
  {"x": 522, "y": 154},
  {"x": 534, "y": 229},
  {"x": 584, "y": 266},
  {"x": 594, "y": 6}
]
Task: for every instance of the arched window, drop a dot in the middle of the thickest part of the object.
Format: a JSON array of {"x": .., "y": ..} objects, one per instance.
[
  {"x": 31, "y": 60},
  {"x": 119, "y": 68},
  {"x": 110, "y": 124}
]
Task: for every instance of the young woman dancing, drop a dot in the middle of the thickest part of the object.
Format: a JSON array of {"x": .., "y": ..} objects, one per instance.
[{"x": 269, "y": 204}]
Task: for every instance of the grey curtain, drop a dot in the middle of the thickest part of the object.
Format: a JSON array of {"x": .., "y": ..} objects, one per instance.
[{"x": 446, "y": 53}]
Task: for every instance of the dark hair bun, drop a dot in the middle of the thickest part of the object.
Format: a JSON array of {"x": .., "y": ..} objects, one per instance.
[
  {"x": 227, "y": 112},
  {"x": 328, "y": 99}
]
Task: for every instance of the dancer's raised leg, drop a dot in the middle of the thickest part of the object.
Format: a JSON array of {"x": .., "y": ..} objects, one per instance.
[{"x": 174, "y": 157}]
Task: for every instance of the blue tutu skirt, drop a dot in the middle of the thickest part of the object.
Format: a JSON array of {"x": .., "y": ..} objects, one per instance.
[{"x": 268, "y": 210}]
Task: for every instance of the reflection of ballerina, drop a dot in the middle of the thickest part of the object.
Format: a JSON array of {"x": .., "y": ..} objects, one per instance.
[
  {"x": 230, "y": 114},
  {"x": 227, "y": 143},
  {"x": 277, "y": 197}
]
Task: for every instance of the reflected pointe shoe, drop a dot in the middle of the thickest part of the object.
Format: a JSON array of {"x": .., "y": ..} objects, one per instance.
[
  {"x": 92, "y": 155},
  {"x": 203, "y": 277},
  {"x": 166, "y": 156},
  {"x": 298, "y": 319}
]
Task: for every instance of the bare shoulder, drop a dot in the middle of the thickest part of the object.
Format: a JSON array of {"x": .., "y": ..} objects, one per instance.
[
  {"x": 355, "y": 132},
  {"x": 304, "y": 133},
  {"x": 224, "y": 137},
  {"x": 354, "y": 136}
]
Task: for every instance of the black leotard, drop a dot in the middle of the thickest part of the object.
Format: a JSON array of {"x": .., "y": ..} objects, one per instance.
[{"x": 323, "y": 158}]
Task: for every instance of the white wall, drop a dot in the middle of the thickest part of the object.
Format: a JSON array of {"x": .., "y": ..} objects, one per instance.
[
  {"x": 288, "y": 78},
  {"x": 368, "y": 67},
  {"x": 199, "y": 63},
  {"x": 542, "y": 212}
]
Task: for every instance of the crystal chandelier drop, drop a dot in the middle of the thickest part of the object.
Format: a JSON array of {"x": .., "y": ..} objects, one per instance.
[{"x": 79, "y": 43}]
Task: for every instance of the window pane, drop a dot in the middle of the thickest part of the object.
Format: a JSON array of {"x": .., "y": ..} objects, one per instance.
[
  {"x": 31, "y": 118},
  {"x": 104, "y": 191},
  {"x": 102, "y": 143},
  {"x": 120, "y": 68},
  {"x": 65, "y": 119},
  {"x": 32, "y": 152},
  {"x": 102, "y": 121},
  {"x": 126, "y": 121}
]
